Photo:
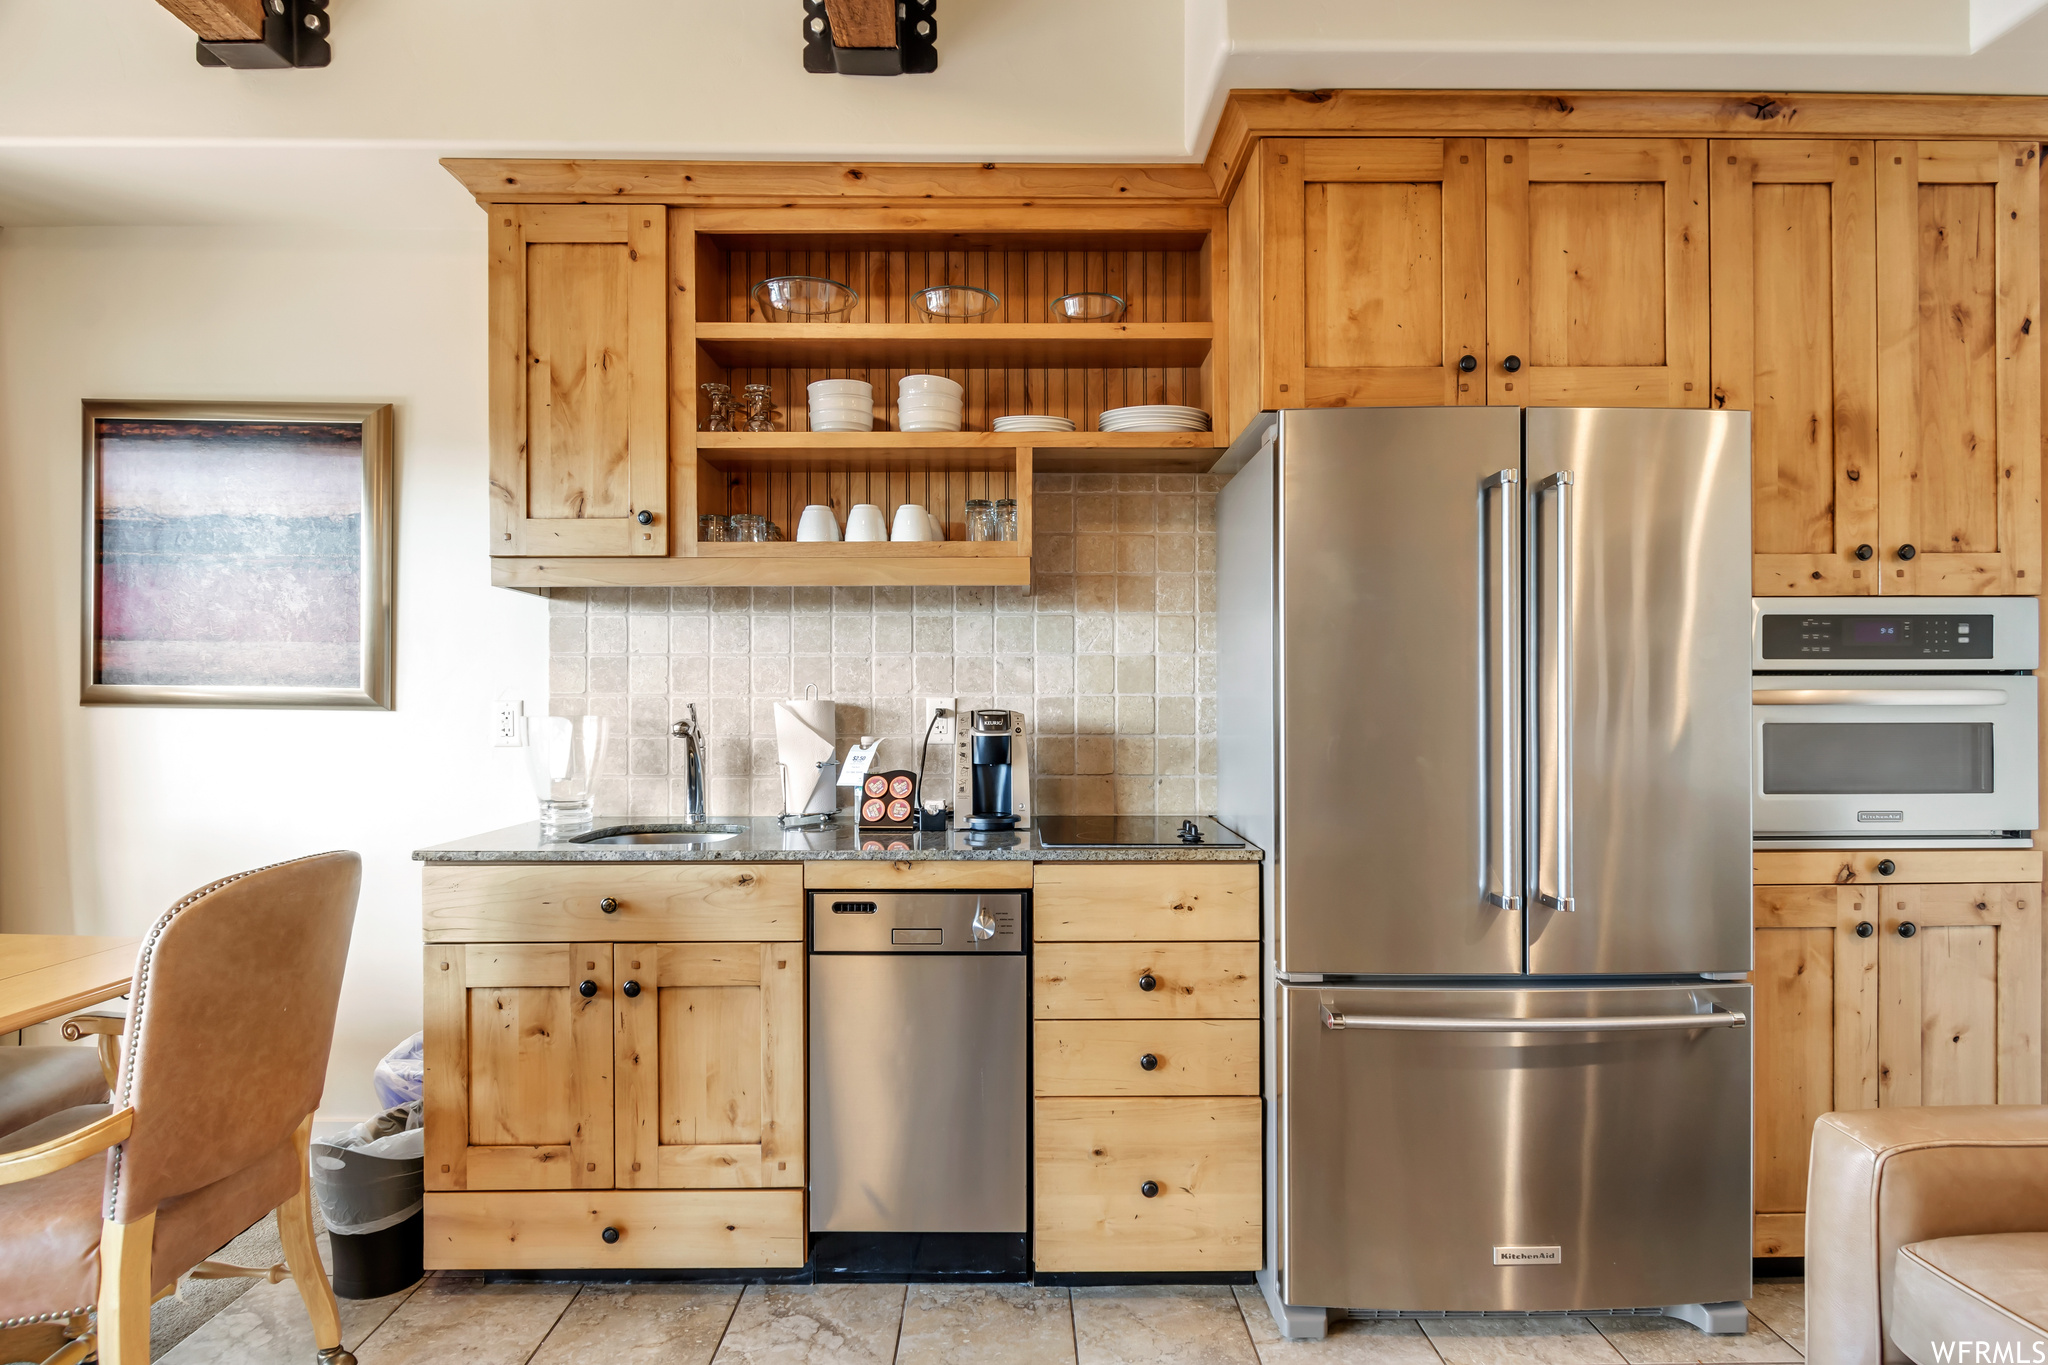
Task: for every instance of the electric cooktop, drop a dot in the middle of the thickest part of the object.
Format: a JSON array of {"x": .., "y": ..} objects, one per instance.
[{"x": 1133, "y": 831}]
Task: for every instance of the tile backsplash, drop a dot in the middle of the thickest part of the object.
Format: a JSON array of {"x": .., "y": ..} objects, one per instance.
[{"x": 1111, "y": 657}]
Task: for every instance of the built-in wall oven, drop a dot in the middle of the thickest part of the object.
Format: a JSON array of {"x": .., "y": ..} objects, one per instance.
[{"x": 1894, "y": 722}]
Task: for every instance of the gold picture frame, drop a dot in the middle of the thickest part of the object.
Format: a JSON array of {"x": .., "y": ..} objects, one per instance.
[{"x": 238, "y": 554}]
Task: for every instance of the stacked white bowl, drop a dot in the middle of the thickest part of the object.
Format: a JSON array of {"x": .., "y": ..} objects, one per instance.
[
  {"x": 930, "y": 402},
  {"x": 842, "y": 405}
]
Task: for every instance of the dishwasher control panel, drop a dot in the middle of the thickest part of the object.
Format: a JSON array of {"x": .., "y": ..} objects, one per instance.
[{"x": 976, "y": 922}]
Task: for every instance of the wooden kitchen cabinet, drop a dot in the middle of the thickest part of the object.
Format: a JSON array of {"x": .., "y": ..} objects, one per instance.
[
  {"x": 1376, "y": 253},
  {"x": 1851, "y": 1013},
  {"x": 710, "y": 1065},
  {"x": 1146, "y": 1141},
  {"x": 579, "y": 379},
  {"x": 653, "y": 1087},
  {"x": 1959, "y": 366},
  {"x": 1794, "y": 250},
  {"x": 518, "y": 1092},
  {"x": 1596, "y": 280}
]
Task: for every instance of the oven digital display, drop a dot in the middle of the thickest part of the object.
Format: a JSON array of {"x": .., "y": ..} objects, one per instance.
[{"x": 1846, "y": 637}]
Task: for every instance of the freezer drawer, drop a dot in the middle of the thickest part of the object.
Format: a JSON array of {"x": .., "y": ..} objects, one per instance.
[{"x": 1434, "y": 1162}]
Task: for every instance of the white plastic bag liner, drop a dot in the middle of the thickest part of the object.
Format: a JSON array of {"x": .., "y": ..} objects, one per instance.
[
  {"x": 373, "y": 1176},
  {"x": 401, "y": 1076}
]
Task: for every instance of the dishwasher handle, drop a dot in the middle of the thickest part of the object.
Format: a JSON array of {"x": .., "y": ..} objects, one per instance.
[{"x": 1617, "y": 1023}]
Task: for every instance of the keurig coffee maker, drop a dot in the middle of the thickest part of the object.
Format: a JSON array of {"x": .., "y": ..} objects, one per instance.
[{"x": 992, "y": 772}]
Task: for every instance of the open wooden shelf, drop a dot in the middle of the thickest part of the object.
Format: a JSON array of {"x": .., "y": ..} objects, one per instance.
[
  {"x": 779, "y": 565},
  {"x": 1056, "y": 452},
  {"x": 992, "y": 345}
]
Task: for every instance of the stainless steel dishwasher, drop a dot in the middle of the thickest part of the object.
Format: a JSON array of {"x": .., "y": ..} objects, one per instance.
[{"x": 920, "y": 1089}]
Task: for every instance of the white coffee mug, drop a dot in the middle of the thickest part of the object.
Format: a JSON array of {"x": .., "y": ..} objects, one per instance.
[
  {"x": 938, "y": 527},
  {"x": 912, "y": 523},
  {"x": 865, "y": 522},
  {"x": 817, "y": 523}
]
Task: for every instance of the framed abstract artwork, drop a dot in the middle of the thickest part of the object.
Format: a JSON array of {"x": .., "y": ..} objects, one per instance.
[{"x": 238, "y": 554}]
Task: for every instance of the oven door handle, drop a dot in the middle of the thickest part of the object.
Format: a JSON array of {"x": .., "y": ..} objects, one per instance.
[{"x": 1878, "y": 696}]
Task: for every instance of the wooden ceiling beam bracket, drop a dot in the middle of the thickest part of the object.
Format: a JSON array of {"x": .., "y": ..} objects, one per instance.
[
  {"x": 871, "y": 37},
  {"x": 257, "y": 35}
]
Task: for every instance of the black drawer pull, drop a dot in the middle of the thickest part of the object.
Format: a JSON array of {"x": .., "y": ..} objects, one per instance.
[
  {"x": 609, "y": 905},
  {"x": 1150, "y": 1189},
  {"x": 586, "y": 989},
  {"x": 1149, "y": 1062},
  {"x": 1886, "y": 868},
  {"x": 1907, "y": 929},
  {"x": 610, "y": 1235},
  {"x": 1148, "y": 982},
  {"x": 631, "y": 989},
  {"x": 1864, "y": 928}
]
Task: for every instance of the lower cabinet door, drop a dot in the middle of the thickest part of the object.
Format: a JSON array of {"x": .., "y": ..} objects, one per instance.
[
  {"x": 549, "y": 1230},
  {"x": 1148, "y": 1185}
]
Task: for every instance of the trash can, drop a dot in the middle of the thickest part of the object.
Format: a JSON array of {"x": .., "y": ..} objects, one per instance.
[
  {"x": 370, "y": 1182},
  {"x": 402, "y": 1075}
]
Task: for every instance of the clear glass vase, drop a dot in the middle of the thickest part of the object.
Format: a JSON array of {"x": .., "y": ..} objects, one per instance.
[{"x": 564, "y": 756}]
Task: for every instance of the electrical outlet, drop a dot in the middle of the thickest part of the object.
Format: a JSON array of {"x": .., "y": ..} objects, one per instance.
[
  {"x": 946, "y": 708},
  {"x": 508, "y": 725}
]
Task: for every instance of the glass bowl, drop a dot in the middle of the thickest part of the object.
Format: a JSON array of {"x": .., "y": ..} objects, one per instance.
[
  {"x": 956, "y": 301},
  {"x": 1088, "y": 307},
  {"x": 803, "y": 298}
]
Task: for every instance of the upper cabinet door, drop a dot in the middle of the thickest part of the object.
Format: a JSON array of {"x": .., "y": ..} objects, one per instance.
[
  {"x": 1376, "y": 251},
  {"x": 1795, "y": 343},
  {"x": 1597, "y": 272},
  {"x": 1959, "y": 366},
  {"x": 579, "y": 380}
]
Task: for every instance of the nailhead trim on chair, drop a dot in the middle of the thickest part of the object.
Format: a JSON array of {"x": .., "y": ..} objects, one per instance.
[
  {"x": 44, "y": 1317},
  {"x": 134, "y": 1053}
]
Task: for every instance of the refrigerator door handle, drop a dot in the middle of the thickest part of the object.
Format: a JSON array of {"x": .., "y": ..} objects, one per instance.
[
  {"x": 1501, "y": 672},
  {"x": 1619, "y": 1023},
  {"x": 1554, "y": 751}
]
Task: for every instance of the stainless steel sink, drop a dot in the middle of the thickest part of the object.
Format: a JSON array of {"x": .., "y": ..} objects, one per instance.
[{"x": 661, "y": 834}]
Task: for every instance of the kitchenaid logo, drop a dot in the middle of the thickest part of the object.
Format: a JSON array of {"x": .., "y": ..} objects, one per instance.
[
  {"x": 1528, "y": 1255},
  {"x": 1990, "y": 1352},
  {"x": 1880, "y": 817}
]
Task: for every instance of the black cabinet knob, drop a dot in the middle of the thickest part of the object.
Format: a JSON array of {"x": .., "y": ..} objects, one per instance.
[
  {"x": 1907, "y": 552},
  {"x": 1149, "y": 1062},
  {"x": 631, "y": 989},
  {"x": 586, "y": 989},
  {"x": 1511, "y": 364},
  {"x": 1864, "y": 552},
  {"x": 609, "y": 905},
  {"x": 1864, "y": 928},
  {"x": 1148, "y": 982},
  {"x": 1886, "y": 867},
  {"x": 1150, "y": 1189},
  {"x": 645, "y": 517},
  {"x": 1907, "y": 928},
  {"x": 1468, "y": 363},
  {"x": 610, "y": 1235}
]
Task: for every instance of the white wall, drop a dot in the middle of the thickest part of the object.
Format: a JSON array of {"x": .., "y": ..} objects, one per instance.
[{"x": 108, "y": 814}]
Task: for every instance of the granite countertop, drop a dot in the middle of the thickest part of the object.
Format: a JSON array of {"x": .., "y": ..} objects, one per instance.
[{"x": 762, "y": 840}]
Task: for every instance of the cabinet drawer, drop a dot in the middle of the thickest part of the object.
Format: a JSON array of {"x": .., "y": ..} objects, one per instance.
[
  {"x": 1107, "y": 981},
  {"x": 1819, "y": 866},
  {"x": 1094, "y": 1158},
  {"x": 543, "y": 902},
  {"x": 1138, "y": 902},
  {"x": 1106, "y": 1057},
  {"x": 683, "y": 1229},
  {"x": 917, "y": 874}
]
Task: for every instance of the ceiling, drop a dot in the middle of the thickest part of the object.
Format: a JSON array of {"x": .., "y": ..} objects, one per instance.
[{"x": 106, "y": 119}]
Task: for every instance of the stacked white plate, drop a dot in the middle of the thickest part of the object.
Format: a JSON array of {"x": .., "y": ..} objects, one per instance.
[
  {"x": 1034, "y": 422},
  {"x": 1154, "y": 417}
]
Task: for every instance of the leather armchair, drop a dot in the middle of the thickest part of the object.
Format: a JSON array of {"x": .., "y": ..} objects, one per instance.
[
  {"x": 234, "y": 1000},
  {"x": 1927, "y": 1226}
]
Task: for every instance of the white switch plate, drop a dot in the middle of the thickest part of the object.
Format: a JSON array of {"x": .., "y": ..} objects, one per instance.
[
  {"x": 942, "y": 733},
  {"x": 508, "y": 725}
]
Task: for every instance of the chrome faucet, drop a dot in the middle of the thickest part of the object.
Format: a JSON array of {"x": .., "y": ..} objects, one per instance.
[{"x": 689, "y": 733}]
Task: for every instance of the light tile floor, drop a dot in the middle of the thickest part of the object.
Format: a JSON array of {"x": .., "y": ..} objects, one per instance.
[{"x": 450, "y": 1319}]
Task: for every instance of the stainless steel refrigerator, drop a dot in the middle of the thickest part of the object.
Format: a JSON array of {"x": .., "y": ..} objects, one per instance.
[{"x": 1483, "y": 697}]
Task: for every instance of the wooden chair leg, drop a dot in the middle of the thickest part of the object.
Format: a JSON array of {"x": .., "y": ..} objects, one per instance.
[
  {"x": 302, "y": 1253},
  {"x": 123, "y": 1328}
]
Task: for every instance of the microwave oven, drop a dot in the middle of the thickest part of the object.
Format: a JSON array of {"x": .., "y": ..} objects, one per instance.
[{"x": 1901, "y": 721}]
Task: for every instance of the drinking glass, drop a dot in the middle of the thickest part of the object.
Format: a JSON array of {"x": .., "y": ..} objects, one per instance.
[
  {"x": 981, "y": 519},
  {"x": 713, "y": 527},
  {"x": 747, "y": 527},
  {"x": 759, "y": 403},
  {"x": 563, "y": 759},
  {"x": 718, "y": 406},
  {"x": 1006, "y": 519}
]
